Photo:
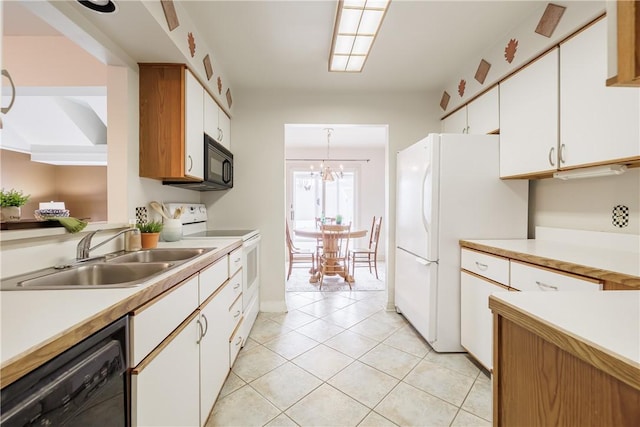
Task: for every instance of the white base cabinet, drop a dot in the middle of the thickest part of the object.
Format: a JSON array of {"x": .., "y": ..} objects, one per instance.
[
  {"x": 476, "y": 334},
  {"x": 165, "y": 392}
]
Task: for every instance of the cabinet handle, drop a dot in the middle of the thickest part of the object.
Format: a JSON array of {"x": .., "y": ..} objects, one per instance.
[
  {"x": 551, "y": 153},
  {"x": 544, "y": 286},
  {"x": 221, "y": 135},
  {"x": 237, "y": 259},
  {"x": 201, "y": 331},
  {"x": 206, "y": 324},
  {"x": 238, "y": 341},
  {"x": 236, "y": 286},
  {"x": 562, "y": 148},
  {"x": 5, "y": 110},
  {"x": 482, "y": 266},
  {"x": 190, "y": 163},
  {"x": 235, "y": 316}
]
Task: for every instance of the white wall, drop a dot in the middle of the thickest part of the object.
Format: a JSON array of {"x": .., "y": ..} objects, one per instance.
[
  {"x": 258, "y": 197},
  {"x": 585, "y": 204}
]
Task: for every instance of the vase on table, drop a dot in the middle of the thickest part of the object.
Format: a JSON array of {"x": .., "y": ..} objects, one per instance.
[{"x": 10, "y": 213}]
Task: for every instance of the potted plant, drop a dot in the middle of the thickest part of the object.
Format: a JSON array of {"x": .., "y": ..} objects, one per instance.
[
  {"x": 150, "y": 233},
  {"x": 10, "y": 203}
]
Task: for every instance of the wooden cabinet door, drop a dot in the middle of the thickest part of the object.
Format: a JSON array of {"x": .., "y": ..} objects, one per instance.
[
  {"x": 597, "y": 123},
  {"x": 166, "y": 390},
  {"x": 529, "y": 118},
  {"x": 214, "y": 351},
  {"x": 476, "y": 319},
  {"x": 483, "y": 113},
  {"x": 456, "y": 122},
  {"x": 194, "y": 127}
]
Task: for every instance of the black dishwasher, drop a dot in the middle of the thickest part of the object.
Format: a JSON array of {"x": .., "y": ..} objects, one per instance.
[{"x": 87, "y": 385}]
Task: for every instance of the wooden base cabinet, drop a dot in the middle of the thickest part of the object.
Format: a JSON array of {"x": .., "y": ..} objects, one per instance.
[{"x": 537, "y": 383}]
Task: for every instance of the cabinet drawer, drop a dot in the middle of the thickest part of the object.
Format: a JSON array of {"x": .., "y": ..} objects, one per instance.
[
  {"x": 212, "y": 278},
  {"x": 153, "y": 322},
  {"x": 235, "y": 261},
  {"x": 525, "y": 277},
  {"x": 236, "y": 286},
  {"x": 235, "y": 343},
  {"x": 235, "y": 314},
  {"x": 489, "y": 266}
]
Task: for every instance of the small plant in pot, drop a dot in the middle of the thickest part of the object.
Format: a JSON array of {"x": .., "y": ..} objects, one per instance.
[
  {"x": 10, "y": 204},
  {"x": 150, "y": 233}
]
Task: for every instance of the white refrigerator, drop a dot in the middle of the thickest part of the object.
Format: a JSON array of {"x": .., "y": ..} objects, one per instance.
[{"x": 448, "y": 188}]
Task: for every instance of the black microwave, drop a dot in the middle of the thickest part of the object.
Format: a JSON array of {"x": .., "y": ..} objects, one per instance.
[{"x": 218, "y": 169}]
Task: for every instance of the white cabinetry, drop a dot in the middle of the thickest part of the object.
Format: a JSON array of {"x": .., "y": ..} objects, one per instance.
[
  {"x": 597, "y": 123},
  {"x": 194, "y": 142},
  {"x": 529, "y": 118},
  {"x": 480, "y": 117},
  {"x": 180, "y": 365},
  {"x": 476, "y": 319},
  {"x": 456, "y": 122},
  {"x": 165, "y": 388},
  {"x": 526, "y": 277},
  {"x": 216, "y": 122}
]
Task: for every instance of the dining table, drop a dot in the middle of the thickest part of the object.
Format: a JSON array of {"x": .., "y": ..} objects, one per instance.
[{"x": 316, "y": 233}]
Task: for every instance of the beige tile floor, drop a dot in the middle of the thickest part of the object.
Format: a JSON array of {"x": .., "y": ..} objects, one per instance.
[{"x": 340, "y": 359}]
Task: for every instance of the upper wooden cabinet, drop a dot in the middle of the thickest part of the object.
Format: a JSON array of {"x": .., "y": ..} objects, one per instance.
[
  {"x": 626, "y": 33},
  {"x": 529, "y": 119},
  {"x": 171, "y": 123},
  {"x": 598, "y": 124}
]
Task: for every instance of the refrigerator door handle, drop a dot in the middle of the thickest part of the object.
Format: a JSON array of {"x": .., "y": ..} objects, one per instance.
[{"x": 426, "y": 185}]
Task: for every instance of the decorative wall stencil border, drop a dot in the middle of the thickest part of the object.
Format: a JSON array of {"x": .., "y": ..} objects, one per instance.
[
  {"x": 229, "y": 100},
  {"x": 219, "y": 86},
  {"x": 192, "y": 44},
  {"x": 444, "y": 101},
  {"x": 510, "y": 50},
  {"x": 550, "y": 19},
  {"x": 170, "y": 14},
  {"x": 207, "y": 66},
  {"x": 461, "y": 86},
  {"x": 482, "y": 71}
]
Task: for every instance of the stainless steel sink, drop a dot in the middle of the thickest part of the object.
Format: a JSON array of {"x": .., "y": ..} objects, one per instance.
[
  {"x": 160, "y": 255},
  {"x": 102, "y": 275},
  {"x": 111, "y": 271}
]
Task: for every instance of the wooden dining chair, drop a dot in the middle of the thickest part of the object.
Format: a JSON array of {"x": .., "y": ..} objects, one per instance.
[
  {"x": 297, "y": 255},
  {"x": 335, "y": 252},
  {"x": 367, "y": 256},
  {"x": 319, "y": 224}
]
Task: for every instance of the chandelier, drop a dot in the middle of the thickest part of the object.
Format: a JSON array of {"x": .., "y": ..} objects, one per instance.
[{"x": 326, "y": 173}]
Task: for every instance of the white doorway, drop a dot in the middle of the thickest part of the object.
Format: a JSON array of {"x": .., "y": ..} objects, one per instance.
[{"x": 357, "y": 157}]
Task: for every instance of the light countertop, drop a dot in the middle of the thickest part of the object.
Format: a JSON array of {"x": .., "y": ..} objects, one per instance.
[
  {"x": 601, "y": 328},
  {"x": 32, "y": 320}
]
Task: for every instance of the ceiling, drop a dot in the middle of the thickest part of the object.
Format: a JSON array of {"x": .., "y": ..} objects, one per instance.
[{"x": 284, "y": 45}]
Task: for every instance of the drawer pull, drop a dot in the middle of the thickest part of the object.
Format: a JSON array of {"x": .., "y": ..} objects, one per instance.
[
  {"x": 235, "y": 316},
  {"x": 238, "y": 341},
  {"x": 237, "y": 260},
  {"x": 236, "y": 286},
  {"x": 545, "y": 287},
  {"x": 482, "y": 266}
]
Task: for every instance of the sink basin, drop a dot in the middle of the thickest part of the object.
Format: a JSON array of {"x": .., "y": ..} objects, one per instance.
[
  {"x": 98, "y": 275},
  {"x": 160, "y": 255}
]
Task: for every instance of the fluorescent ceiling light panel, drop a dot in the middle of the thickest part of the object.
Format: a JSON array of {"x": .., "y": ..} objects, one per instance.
[
  {"x": 356, "y": 27},
  {"x": 590, "y": 172}
]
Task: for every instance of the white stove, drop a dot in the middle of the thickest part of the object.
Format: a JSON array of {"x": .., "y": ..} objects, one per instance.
[{"x": 194, "y": 227}]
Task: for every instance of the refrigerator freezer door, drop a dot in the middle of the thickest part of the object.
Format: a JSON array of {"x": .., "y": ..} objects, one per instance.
[
  {"x": 416, "y": 293},
  {"x": 417, "y": 196}
]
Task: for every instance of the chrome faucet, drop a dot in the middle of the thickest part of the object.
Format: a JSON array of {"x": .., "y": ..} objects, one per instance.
[{"x": 84, "y": 246}]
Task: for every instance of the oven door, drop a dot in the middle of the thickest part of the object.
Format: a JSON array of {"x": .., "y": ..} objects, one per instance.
[{"x": 251, "y": 269}]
